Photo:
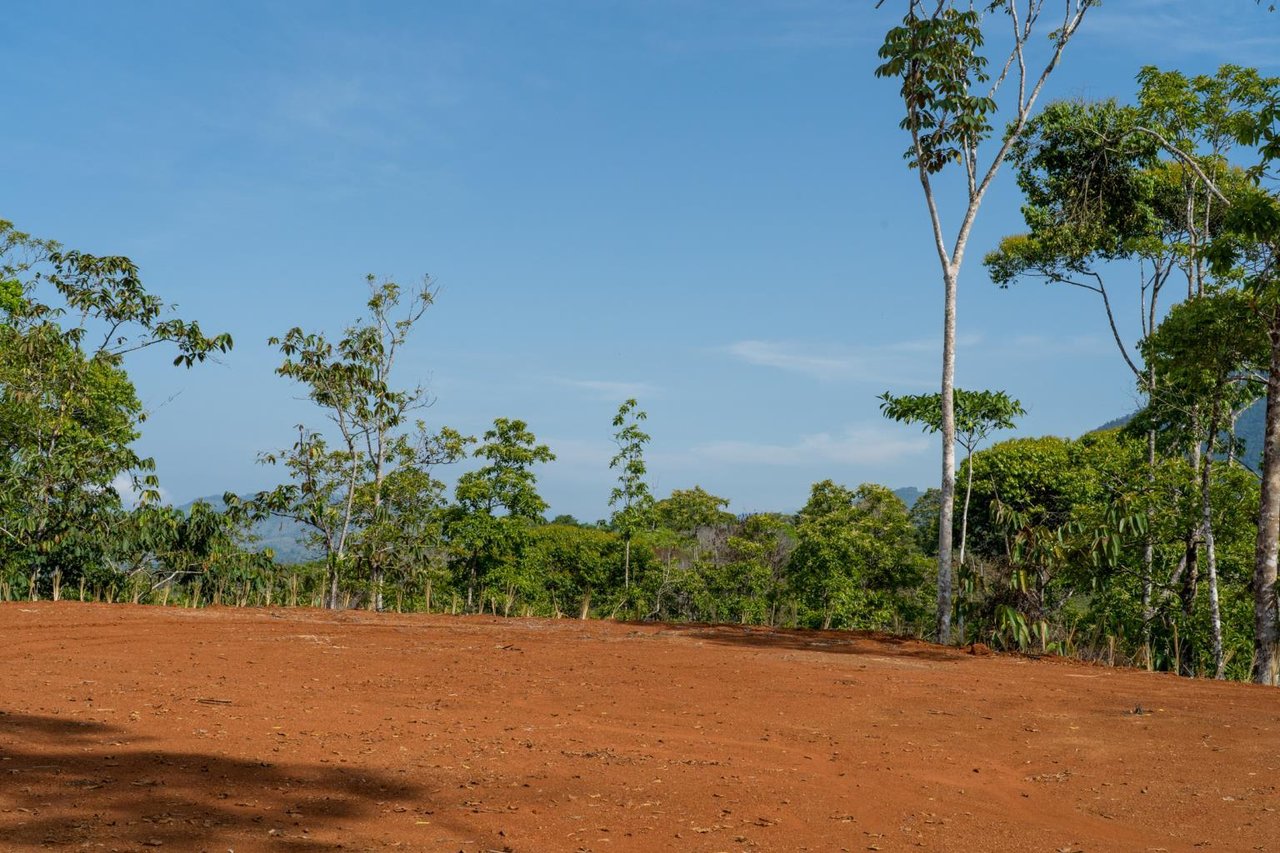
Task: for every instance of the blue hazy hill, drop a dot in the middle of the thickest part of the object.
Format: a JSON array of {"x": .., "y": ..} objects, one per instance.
[
  {"x": 284, "y": 537},
  {"x": 1249, "y": 429}
]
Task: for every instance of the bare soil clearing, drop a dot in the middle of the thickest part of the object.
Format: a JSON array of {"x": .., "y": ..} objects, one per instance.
[{"x": 143, "y": 728}]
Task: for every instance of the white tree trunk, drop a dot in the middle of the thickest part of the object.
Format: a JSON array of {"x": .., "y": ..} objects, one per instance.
[
  {"x": 1266, "y": 632},
  {"x": 1211, "y": 557},
  {"x": 626, "y": 564},
  {"x": 947, "y": 511}
]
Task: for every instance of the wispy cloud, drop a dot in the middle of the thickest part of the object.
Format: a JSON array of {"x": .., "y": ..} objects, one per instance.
[
  {"x": 611, "y": 389},
  {"x": 903, "y": 363},
  {"x": 359, "y": 107},
  {"x": 1238, "y": 31},
  {"x": 582, "y": 453},
  {"x": 326, "y": 104},
  {"x": 1031, "y": 346},
  {"x": 793, "y": 357},
  {"x": 129, "y": 495},
  {"x": 856, "y": 445}
]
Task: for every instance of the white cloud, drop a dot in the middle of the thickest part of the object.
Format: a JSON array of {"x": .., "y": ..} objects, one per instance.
[
  {"x": 606, "y": 389},
  {"x": 786, "y": 356},
  {"x": 129, "y": 495},
  {"x": 911, "y": 363},
  {"x": 856, "y": 445},
  {"x": 1029, "y": 346},
  {"x": 581, "y": 454}
]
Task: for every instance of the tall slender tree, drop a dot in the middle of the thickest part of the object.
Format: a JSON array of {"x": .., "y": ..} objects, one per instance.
[
  {"x": 1099, "y": 194},
  {"x": 1208, "y": 353},
  {"x": 1251, "y": 244},
  {"x": 951, "y": 100},
  {"x": 498, "y": 502},
  {"x": 631, "y": 498},
  {"x": 1096, "y": 194},
  {"x": 351, "y": 381}
]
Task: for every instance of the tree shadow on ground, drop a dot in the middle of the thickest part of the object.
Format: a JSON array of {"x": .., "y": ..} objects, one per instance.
[
  {"x": 865, "y": 643},
  {"x": 68, "y": 783}
]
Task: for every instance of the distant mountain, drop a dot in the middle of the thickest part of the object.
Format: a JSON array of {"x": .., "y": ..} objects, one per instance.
[
  {"x": 1114, "y": 423},
  {"x": 908, "y": 495},
  {"x": 1252, "y": 428},
  {"x": 285, "y": 538},
  {"x": 1249, "y": 429}
]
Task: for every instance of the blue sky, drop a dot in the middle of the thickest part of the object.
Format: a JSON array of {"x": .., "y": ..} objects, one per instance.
[{"x": 700, "y": 204}]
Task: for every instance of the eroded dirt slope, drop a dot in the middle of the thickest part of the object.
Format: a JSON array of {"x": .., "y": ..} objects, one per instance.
[{"x": 136, "y": 728}]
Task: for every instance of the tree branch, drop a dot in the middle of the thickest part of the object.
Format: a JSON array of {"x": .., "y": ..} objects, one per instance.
[{"x": 1187, "y": 160}]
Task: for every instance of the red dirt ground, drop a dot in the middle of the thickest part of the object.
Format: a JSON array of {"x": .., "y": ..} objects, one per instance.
[{"x": 136, "y": 728}]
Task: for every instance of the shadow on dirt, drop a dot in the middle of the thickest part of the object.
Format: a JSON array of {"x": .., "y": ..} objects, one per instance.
[
  {"x": 67, "y": 783},
  {"x": 868, "y": 643}
]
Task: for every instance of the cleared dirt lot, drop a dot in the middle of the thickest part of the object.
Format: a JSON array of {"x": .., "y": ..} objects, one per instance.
[{"x": 136, "y": 728}]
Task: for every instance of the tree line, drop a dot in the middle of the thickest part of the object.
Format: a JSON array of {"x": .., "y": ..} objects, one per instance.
[
  {"x": 364, "y": 483},
  {"x": 1068, "y": 546},
  {"x": 1179, "y": 185},
  {"x": 1154, "y": 543}
]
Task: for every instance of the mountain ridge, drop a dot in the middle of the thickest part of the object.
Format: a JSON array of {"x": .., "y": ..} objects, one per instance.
[{"x": 1250, "y": 429}]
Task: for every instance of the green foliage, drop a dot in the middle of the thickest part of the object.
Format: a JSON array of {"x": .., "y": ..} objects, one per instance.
[
  {"x": 689, "y": 510},
  {"x": 571, "y": 567},
  {"x": 1155, "y": 184},
  {"x": 1214, "y": 111},
  {"x": 98, "y": 304},
  {"x": 936, "y": 56},
  {"x": 506, "y": 483},
  {"x": 68, "y": 413},
  {"x": 1105, "y": 182},
  {"x": 400, "y": 519},
  {"x": 925, "y": 517},
  {"x": 11, "y": 296},
  {"x": 1209, "y": 354},
  {"x": 350, "y": 379},
  {"x": 497, "y": 505},
  {"x": 631, "y": 498},
  {"x": 978, "y": 413},
  {"x": 1058, "y": 552},
  {"x": 369, "y": 498},
  {"x": 856, "y": 563},
  {"x": 1090, "y": 193}
]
